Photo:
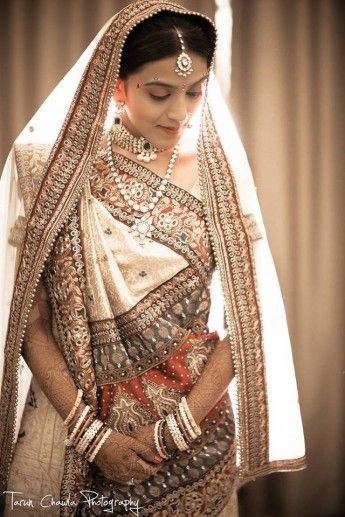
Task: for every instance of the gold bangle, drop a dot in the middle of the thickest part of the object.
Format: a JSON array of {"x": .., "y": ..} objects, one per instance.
[{"x": 161, "y": 439}]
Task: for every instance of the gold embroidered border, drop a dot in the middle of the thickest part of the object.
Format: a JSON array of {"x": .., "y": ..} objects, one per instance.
[
  {"x": 206, "y": 497},
  {"x": 278, "y": 466},
  {"x": 233, "y": 253},
  {"x": 153, "y": 180},
  {"x": 158, "y": 301},
  {"x": 142, "y": 364},
  {"x": 65, "y": 278}
]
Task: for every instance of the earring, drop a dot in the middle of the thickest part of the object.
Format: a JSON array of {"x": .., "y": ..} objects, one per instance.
[{"x": 120, "y": 108}]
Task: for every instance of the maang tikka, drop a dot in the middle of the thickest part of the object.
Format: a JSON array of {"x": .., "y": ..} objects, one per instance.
[{"x": 184, "y": 61}]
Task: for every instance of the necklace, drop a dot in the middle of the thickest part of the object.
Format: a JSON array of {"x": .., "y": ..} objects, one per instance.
[
  {"x": 142, "y": 148},
  {"x": 142, "y": 226}
]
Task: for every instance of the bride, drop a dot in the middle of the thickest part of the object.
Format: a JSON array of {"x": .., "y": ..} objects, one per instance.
[{"x": 135, "y": 229}]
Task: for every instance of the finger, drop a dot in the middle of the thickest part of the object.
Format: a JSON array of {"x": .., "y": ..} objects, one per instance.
[
  {"x": 145, "y": 452},
  {"x": 147, "y": 468}
]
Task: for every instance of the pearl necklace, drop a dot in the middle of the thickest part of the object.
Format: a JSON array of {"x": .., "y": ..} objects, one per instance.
[
  {"x": 142, "y": 148},
  {"x": 142, "y": 226}
]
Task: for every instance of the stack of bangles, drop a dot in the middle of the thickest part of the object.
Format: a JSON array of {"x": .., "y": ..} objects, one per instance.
[
  {"x": 182, "y": 428},
  {"x": 89, "y": 434}
]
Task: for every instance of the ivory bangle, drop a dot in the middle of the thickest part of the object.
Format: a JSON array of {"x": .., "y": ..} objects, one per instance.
[
  {"x": 175, "y": 432},
  {"x": 74, "y": 408},
  {"x": 88, "y": 436},
  {"x": 69, "y": 440},
  {"x": 196, "y": 427},
  {"x": 156, "y": 439},
  {"x": 99, "y": 445},
  {"x": 186, "y": 422}
]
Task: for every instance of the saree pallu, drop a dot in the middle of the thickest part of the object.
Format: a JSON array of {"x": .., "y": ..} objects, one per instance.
[{"x": 143, "y": 309}]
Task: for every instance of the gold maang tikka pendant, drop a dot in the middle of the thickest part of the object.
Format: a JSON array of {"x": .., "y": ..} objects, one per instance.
[{"x": 184, "y": 61}]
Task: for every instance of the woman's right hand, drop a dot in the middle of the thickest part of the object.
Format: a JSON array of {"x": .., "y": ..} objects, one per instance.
[{"x": 122, "y": 458}]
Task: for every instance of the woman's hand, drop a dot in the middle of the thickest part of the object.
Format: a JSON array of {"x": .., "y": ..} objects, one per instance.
[
  {"x": 122, "y": 458},
  {"x": 145, "y": 435}
]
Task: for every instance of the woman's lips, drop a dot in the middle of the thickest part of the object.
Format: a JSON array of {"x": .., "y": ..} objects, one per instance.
[{"x": 172, "y": 131}]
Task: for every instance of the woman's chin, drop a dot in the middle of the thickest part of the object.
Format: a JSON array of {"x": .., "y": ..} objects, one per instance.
[{"x": 167, "y": 138}]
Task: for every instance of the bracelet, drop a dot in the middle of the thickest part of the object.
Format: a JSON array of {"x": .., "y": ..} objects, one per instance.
[
  {"x": 86, "y": 423},
  {"x": 184, "y": 428},
  {"x": 105, "y": 436},
  {"x": 176, "y": 433},
  {"x": 89, "y": 434},
  {"x": 185, "y": 422},
  {"x": 162, "y": 439},
  {"x": 195, "y": 426},
  {"x": 158, "y": 439},
  {"x": 74, "y": 408},
  {"x": 69, "y": 440}
]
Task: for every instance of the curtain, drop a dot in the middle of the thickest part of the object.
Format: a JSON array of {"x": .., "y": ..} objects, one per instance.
[
  {"x": 288, "y": 84},
  {"x": 39, "y": 41}
]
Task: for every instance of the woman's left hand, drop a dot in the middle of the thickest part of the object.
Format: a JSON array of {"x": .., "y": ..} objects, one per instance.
[{"x": 145, "y": 435}]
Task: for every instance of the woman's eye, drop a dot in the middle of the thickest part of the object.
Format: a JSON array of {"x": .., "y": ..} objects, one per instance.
[
  {"x": 159, "y": 97},
  {"x": 194, "y": 95}
]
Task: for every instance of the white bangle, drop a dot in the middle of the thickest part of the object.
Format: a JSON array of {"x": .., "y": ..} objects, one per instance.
[
  {"x": 74, "y": 408},
  {"x": 156, "y": 439},
  {"x": 175, "y": 432},
  {"x": 69, "y": 440},
  {"x": 86, "y": 439},
  {"x": 195, "y": 426},
  {"x": 99, "y": 445}
]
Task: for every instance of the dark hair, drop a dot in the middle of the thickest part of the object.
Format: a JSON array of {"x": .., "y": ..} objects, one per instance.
[{"x": 156, "y": 38}]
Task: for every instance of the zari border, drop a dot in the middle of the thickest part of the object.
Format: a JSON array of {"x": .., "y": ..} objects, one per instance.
[
  {"x": 233, "y": 253},
  {"x": 277, "y": 466},
  {"x": 65, "y": 174},
  {"x": 158, "y": 301}
]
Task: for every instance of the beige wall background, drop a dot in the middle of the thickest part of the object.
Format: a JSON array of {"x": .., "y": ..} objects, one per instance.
[
  {"x": 288, "y": 89},
  {"x": 288, "y": 84}
]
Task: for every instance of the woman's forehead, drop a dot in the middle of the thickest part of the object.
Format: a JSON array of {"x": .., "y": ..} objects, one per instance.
[{"x": 163, "y": 71}]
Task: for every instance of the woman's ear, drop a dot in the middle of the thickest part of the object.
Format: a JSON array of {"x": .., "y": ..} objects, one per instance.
[{"x": 119, "y": 91}]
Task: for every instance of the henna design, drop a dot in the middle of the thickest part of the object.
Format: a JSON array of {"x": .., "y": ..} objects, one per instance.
[{"x": 213, "y": 382}]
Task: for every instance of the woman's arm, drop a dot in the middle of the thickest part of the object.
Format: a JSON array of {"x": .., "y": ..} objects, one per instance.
[
  {"x": 45, "y": 359},
  {"x": 121, "y": 457},
  {"x": 213, "y": 382},
  {"x": 209, "y": 388}
]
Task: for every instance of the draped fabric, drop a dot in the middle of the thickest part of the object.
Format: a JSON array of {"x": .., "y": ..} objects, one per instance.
[
  {"x": 268, "y": 423},
  {"x": 288, "y": 88}
]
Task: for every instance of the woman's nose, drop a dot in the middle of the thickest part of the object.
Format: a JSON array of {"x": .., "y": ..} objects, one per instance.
[{"x": 178, "y": 111}]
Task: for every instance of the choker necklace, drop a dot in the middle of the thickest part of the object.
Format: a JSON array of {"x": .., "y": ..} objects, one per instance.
[
  {"x": 142, "y": 226},
  {"x": 142, "y": 148}
]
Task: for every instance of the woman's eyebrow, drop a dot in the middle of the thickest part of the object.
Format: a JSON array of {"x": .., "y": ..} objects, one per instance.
[{"x": 173, "y": 87}]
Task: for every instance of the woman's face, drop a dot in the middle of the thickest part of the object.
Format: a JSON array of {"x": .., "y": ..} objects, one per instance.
[{"x": 159, "y": 102}]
